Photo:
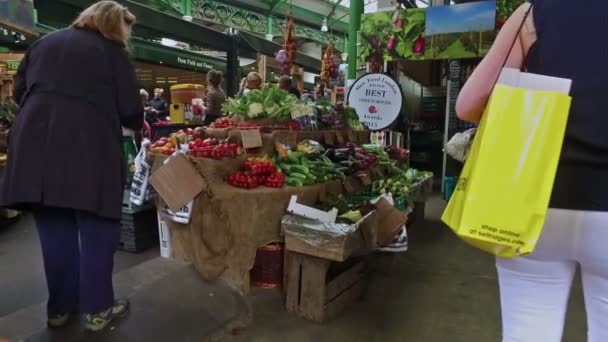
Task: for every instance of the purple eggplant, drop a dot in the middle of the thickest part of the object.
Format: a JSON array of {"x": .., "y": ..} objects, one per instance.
[
  {"x": 391, "y": 42},
  {"x": 399, "y": 23}
]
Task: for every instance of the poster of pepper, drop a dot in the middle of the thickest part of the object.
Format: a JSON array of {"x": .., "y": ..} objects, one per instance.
[{"x": 386, "y": 36}]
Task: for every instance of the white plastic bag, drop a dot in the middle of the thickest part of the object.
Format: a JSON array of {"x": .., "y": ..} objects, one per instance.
[
  {"x": 181, "y": 216},
  {"x": 459, "y": 146},
  {"x": 140, "y": 182}
]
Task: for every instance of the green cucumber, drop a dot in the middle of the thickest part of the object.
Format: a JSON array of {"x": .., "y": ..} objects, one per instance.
[
  {"x": 285, "y": 167},
  {"x": 294, "y": 157},
  {"x": 300, "y": 169},
  {"x": 297, "y": 175},
  {"x": 327, "y": 161},
  {"x": 294, "y": 181}
]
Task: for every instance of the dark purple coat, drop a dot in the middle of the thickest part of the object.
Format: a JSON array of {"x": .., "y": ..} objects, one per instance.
[{"x": 76, "y": 89}]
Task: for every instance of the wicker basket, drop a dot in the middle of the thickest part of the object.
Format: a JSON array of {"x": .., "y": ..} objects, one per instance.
[{"x": 267, "y": 272}]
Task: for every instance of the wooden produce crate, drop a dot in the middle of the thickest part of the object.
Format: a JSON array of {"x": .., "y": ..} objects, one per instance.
[{"x": 318, "y": 289}]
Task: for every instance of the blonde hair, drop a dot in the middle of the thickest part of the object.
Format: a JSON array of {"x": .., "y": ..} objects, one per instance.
[
  {"x": 111, "y": 19},
  {"x": 254, "y": 80},
  {"x": 254, "y": 76}
]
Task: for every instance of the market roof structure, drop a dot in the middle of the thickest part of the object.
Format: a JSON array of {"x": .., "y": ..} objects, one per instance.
[
  {"x": 266, "y": 17},
  {"x": 152, "y": 21}
]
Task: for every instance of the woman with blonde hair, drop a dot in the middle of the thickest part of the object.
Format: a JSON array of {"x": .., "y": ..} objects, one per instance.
[{"x": 76, "y": 89}]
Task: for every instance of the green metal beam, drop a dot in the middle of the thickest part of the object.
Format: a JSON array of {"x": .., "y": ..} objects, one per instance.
[
  {"x": 174, "y": 27},
  {"x": 300, "y": 11},
  {"x": 334, "y": 9},
  {"x": 356, "y": 10},
  {"x": 223, "y": 13},
  {"x": 330, "y": 24},
  {"x": 187, "y": 8},
  {"x": 275, "y": 4}
]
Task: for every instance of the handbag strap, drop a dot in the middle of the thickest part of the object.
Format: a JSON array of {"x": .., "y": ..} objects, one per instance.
[{"x": 521, "y": 26}]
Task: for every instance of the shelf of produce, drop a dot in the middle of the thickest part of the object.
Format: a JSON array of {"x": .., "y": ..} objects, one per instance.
[{"x": 164, "y": 130}]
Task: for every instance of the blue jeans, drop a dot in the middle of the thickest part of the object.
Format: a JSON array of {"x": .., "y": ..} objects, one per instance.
[{"x": 78, "y": 251}]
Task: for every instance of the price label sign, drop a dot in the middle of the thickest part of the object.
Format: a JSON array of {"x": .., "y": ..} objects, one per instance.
[
  {"x": 251, "y": 138},
  {"x": 377, "y": 99}
]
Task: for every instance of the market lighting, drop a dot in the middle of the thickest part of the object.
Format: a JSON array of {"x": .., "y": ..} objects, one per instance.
[
  {"x": 324, "y": 25},
  {"x": 168, "y": 42}
]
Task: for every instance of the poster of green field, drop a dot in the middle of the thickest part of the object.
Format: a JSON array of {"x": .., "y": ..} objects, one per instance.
[
  {"x": 460, "y": 31},
  {"x": 386, "y": 36}
]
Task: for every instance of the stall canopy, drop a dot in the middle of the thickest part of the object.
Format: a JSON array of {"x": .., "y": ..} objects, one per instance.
[{"x": 152, "y": 22}]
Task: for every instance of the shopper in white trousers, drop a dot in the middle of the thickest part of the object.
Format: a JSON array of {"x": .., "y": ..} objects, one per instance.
[{"x": 534, "y": 290}]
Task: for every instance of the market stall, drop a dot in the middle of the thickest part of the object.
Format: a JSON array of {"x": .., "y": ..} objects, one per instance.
[{"x": 248, "y": 167}]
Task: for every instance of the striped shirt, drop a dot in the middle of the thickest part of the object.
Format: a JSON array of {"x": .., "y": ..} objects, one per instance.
[{"x": 215, "y": 100}]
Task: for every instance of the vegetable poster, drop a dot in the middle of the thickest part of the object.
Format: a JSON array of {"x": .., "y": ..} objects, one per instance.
[
  {"x": 504, "y": 9},
  {"x": 387, "y": 36},
  {"x": 442, "y": 32}
]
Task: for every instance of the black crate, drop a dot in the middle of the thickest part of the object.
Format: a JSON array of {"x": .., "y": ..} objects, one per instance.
[
  {"x": 136, "y": 246},
  {"x": 139, "y": 230}
]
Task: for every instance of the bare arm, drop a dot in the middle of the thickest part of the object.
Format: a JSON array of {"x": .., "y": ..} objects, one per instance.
[{"x": 474, "y": 95}]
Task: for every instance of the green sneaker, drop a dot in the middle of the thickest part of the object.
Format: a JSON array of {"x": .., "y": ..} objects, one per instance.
[
  {"x": 57, "y": 321},
  {"x": 97, "y": 322}
]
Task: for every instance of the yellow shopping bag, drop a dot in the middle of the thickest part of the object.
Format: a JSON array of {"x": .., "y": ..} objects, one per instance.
[{"x": 503, "y": 193}]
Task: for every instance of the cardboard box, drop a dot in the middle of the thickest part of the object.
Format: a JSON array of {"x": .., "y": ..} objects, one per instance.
[
  {"x": 308, "y": 237},
  {"x": 177, "y": 182},
  {"x": 390, "y": 220}
]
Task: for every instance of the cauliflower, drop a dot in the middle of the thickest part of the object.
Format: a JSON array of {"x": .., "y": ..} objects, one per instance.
[
  {"x": 299, "y": 110},
  {"x": 255, "y": 110}
]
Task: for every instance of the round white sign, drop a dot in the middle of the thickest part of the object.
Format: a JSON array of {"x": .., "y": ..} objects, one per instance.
[{"x": 377, "y": 99}]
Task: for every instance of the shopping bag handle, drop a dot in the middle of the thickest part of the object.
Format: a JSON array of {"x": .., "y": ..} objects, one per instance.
[{"x": 521, "y": 26}]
